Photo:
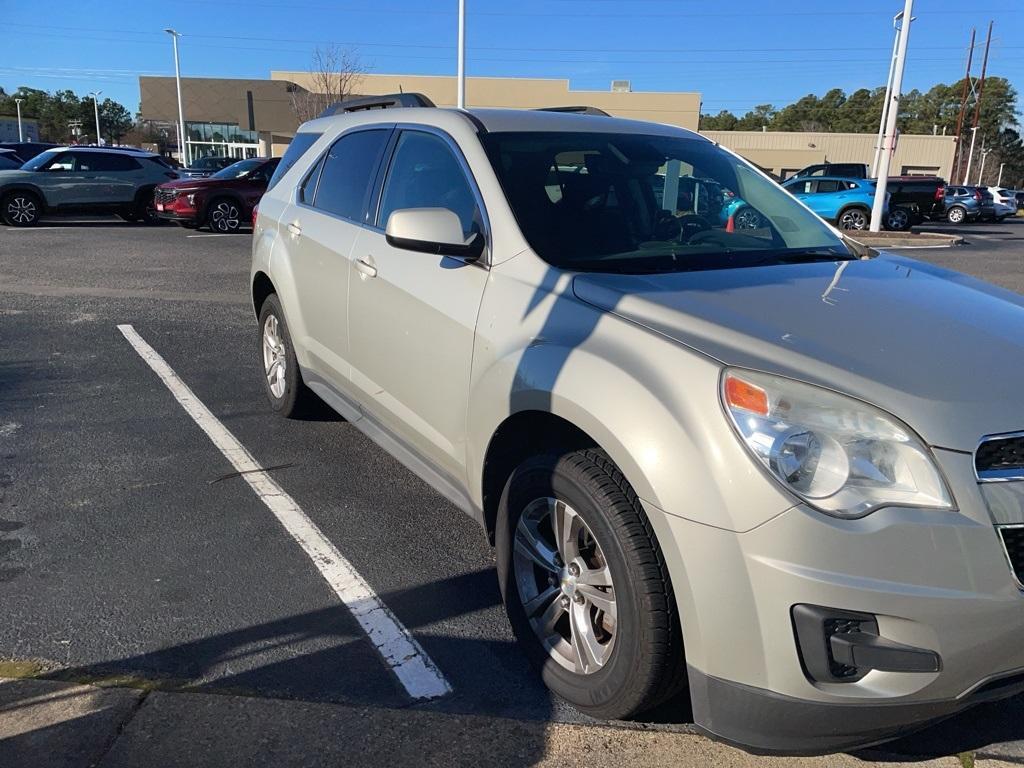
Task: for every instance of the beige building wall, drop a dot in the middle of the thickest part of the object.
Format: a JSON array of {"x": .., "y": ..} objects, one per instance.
[
  {"x": 682, "y": 109},
  {"x": 784, "y": 153}
]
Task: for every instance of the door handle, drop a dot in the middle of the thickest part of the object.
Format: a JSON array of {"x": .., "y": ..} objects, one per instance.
[
  {"x": 366, "y": 268},
  {"x": 295, "y": 228}
]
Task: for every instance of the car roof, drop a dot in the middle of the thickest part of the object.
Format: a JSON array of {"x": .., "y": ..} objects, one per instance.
[
  {"x": 802, "y": 179},
  {"x": 119, "y": 150},
  {"x": 501, "y": 121}
]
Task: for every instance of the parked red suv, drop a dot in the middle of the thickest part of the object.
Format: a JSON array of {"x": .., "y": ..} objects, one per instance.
[{"x": 224, "y": 201}]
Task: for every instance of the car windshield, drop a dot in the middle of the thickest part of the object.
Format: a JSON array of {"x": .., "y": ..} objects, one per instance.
[
  {"x": 239, "y": 169},
  {"x": 40, "y": 160},
  {"x": 627, "y": 203}
]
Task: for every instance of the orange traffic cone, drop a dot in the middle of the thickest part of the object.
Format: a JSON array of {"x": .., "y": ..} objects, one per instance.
[{"x": 730, "y": 225}]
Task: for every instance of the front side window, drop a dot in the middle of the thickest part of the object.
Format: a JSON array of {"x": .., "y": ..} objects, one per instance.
[
  {"x": 43, "y": 160},
  {"x": 62, "y": 162},
  {"x": 647, "y": 203},
  {"x": 348, "y": 173},
  {"x": 425, "y": 174}
]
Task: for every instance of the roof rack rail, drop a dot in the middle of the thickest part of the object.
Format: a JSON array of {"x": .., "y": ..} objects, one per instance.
[
  {"x": 581, "y": 110},
  {"x": 377, "y": 102}
]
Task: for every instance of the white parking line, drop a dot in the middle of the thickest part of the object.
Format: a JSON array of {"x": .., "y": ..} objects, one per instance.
[{"x": 407, "y": 659}]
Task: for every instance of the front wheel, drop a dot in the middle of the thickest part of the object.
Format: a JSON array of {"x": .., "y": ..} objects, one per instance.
[
  {"x": 586, "y": 587},
  {"x": 224, "y": 216},
  {"x": 854, "y": 219},
  {"x": 21, "y": 209}
]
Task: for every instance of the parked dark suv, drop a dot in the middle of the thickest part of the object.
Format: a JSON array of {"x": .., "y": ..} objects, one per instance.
[
  {"x": 223, "y": 201},
  {"x": 206, "y": 166},
  {"x": 845, "y": 170},
  {"x": 913, "y": 199}
]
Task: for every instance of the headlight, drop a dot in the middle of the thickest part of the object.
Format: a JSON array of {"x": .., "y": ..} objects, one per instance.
[
  {"x": 843, "y": 457},
  {"x": 191, "y": 198}
]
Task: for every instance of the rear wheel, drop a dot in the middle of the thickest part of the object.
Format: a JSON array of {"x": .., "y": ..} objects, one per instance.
[
  {"x": 145, "y": 209},
  {"x": 224, "y": 216},
  {"x": 21, "y": 209},
  {"x": 956, "y": 215},
  {"x": 898, "y": 220},
  {"x": 585, "y": 585},
  {"x": 854, "y": 218},
  {"x": 282, "y": 381}
]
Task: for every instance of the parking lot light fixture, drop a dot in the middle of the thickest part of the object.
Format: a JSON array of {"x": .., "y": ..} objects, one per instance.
[
  {"x": 981, "y": 171},
  {"x": 461, "y": 85},
  {"x": 21, "y": 136},
  {"x": 182, "y": 140},
  {"x": 96, "y": 110},
  {"x": 890, "y": 123},
  {"x": 999, "y": 179}
]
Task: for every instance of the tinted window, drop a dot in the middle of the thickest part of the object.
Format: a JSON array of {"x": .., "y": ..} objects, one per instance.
[
  {"x": 63, "y": 161},
  {"x": 828, "y": 185},
  {"x": 296, "y": 149},
  {"x": 239, "y": 170},
  {"x": 348, "y": 173},
  {"x": 606, "y": 215},
  {"x": 425, "y": 174},
  {"x": 105, "y": 161}
]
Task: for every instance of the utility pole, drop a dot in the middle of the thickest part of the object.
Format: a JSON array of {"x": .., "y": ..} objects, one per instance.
[
  {"x": 461, "y": 100},
  {"x": 182, "y": 140},
  {"x": 888, "y": 92},
  {"x": 21, "y": 136},
  {"x": 957, "y": 160},
  {"x": 96, "y": 108},
  {"x": 977, "y": 101},
  {"x": 890, "y": 123}
]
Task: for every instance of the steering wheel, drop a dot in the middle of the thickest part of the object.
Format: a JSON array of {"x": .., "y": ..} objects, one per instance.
[{"x": 692, "y": 224}]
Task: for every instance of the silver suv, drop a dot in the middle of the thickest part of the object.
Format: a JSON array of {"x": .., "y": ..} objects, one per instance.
[
  {"x": 799, "y": 462},
  {"x": 75, "y": 180}
]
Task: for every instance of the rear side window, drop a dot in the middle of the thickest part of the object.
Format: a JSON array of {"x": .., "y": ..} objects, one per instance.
[
  {"x": 106, "y": 161},
  {"x": 828, "y": 185},
  {"x": 348, "y": 173},
  {"x": 296, "y": 149}
]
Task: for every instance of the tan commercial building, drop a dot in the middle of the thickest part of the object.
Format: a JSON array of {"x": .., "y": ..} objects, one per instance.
[
  {"x": 244, "y": 118},
  {"x": 783, "y": 153}
]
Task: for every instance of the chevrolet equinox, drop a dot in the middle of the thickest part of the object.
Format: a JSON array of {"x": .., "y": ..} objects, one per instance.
[{"x": 757, "y": 465}]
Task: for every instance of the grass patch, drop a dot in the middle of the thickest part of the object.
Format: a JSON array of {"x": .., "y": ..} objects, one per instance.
[
  {"x": 21, "y": 669},
  {"x": 966, "y": 759}
]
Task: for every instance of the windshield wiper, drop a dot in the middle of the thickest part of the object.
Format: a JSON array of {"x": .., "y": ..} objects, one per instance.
[{"x": 806, "y": 257}]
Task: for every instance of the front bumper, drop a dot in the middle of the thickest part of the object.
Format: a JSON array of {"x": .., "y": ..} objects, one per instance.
[{"x": 937, "y": 581}]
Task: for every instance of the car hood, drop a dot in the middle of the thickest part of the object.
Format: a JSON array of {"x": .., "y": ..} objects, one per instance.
[
  {"x": 940, "y": 350},
  {"x": 15, "y": 174}
]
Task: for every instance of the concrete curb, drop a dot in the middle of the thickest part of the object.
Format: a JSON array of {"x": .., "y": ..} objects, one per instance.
[
  {"x": 74, "y": 726},
  {"x": 906, "y": 239}
]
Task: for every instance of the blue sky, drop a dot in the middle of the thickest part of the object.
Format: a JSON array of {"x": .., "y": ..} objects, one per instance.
[{"x": 736, "y": 54}]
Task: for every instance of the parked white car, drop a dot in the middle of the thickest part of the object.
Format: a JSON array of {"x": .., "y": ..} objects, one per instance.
[{"x": 1005, "y": 202}]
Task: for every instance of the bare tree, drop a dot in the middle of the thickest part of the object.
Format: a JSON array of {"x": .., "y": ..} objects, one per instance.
[{"x": 333, "y": 74}]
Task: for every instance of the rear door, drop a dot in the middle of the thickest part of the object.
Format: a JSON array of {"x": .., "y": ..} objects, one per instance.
[
  {"x": 116, "y": 176},
  {"x": 318, "y": 229},
  {"x": 412, "y": 316}
]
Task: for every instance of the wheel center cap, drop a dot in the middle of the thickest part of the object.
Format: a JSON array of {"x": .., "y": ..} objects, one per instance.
[{"x": 568, "y": 583}]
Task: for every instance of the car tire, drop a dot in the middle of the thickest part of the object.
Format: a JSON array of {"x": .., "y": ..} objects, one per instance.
[
  {"x": 287, "y": 393},
  {"x": 224, "y": 216},
  {"x": 956, "y": 215},
  {"x": 898, "y": 220},
  {"x": 21, "y": 209},
  {"x": 854, "y": 219},
  {"x": 631, "y": 663},
  {"x": 145, "y": 209},
  {"x": 747, "y": 218}
]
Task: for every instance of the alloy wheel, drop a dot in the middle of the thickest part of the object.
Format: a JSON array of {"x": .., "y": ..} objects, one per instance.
[
  {"x": 898, "y": 219},
  {"x": 224, "y": 217},
  {"x": 275, "y": 359},
  {"x": 22, "y": 210},
  {"x": 748, "y": 218},
  {"x": 955, "y": 215},
  {"x": 565, "y": 586},
  {"x": 855, "y": 218}
]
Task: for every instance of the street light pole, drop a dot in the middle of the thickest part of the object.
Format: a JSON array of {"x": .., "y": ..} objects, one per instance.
[
  {"x": 96, "y": 109},
  {"x": 970, "y": 156},
  {"x": 182, "y": 141},
  {"x": 888, "y": 91},
  {"x": 461, "y": 97},
  {"x": 984, "y": 155},
  {"x": 890, "y": 122},
  {"x": 999, "y": 181},
  {"x": 21, "y": 136}
]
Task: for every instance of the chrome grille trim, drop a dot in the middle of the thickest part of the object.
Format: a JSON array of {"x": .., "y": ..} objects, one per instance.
[{"x": 999, "y": 464}]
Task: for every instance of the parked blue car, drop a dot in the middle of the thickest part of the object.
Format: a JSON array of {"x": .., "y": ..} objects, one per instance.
[{"x": 842, "y": 201}]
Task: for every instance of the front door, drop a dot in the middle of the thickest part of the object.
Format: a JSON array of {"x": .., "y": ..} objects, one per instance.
[
  {"x": 70, "y": 181},
  {"x": 412, "y": 316}
]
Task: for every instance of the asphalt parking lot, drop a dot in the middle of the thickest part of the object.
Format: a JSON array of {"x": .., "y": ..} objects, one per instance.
[{"x": 131, "y": 549}]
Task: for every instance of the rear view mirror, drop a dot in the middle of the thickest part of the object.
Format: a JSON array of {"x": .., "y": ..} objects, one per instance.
[{"x": 432, "y": 230}]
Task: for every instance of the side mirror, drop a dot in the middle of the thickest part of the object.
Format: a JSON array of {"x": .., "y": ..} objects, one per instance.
[{"x": 432, "y": 230}]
